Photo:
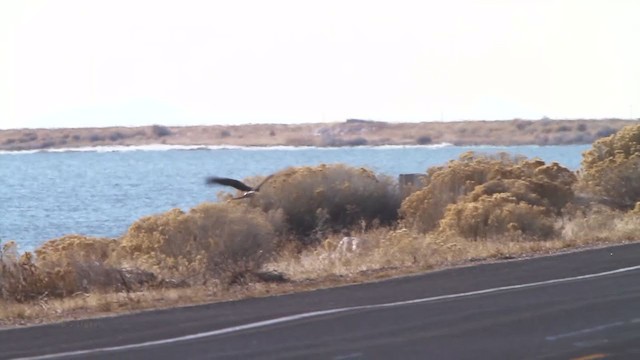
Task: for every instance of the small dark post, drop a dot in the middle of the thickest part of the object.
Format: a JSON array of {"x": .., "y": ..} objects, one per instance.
[{"x": 410, "y": 183}]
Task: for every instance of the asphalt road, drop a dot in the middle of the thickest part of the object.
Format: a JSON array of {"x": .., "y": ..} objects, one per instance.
[{"x": 583, "y": 305}]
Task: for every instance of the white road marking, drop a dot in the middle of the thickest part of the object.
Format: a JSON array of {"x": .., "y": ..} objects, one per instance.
[
  {"x": 357, "y": 355},
  {"x": 585, "y": 331},
  {"x": 295, "y": 317},
  {"x": 590, "y": 343}
]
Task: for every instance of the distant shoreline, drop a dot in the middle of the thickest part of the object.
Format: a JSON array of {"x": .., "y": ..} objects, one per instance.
[
  {"x": 164, "y": 147},
  {"x": 352, "y": 132}
]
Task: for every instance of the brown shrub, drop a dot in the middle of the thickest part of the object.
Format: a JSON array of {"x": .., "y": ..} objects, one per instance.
[
  {"x": 493, "y": 216},
  {"x": 160, "y": 131},
  {"x": 223, "y": 240},
  {"x": 424, "y": 140},
  {"x": 75, "y": 248},
  {"x": 88, "y": 262},
  {"x": 484, "y": 184},
  {"x": 445, "y": 184},
  {"x": 328, "y": 198},
  {"x": 116, "y": 135},
  {"x": 97, "y": 137},
  {"x": 60, "y": 268},
  {"x": 12, "y": 273},
  {"x": 611, "y": 168}
]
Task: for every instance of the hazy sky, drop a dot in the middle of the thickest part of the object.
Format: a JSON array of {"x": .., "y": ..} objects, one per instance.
[{"x": 66, "y": 63}]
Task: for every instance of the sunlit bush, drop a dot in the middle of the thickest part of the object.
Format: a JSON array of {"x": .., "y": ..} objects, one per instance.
[
  {"x": 328, "y": 198},
  {"x": 84, "y": 261},
  {"x": 60, "y": 268},
  {"x": 611, "y": 168},
  {"x": 220, "y": 240},
  {"x": 75, "y": 248},
  {"x": 497, "y": 215},
  {"x": 423, "y": 209},
  {"x": 482, "y": 195}
]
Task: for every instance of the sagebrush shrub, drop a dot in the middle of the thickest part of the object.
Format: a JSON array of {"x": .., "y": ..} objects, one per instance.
[
  {"x": 211, "y": 239},
  {"x": 496, "y": 215},
  {"x": 60, "y": 268},
  {"x": 482, "y": 182},
  {"x": 75, "y": 248},
  {"x": 423, "y": 209},
  {"x": 611, "y": 168},
  {"x": 328, "y": 198},
  {"x": 86, "y": 262}
]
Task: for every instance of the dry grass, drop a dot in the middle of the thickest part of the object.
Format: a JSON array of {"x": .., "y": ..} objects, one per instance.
[
  {"x": 101, "y": 304},
  {"x": 404, "y": 251}
]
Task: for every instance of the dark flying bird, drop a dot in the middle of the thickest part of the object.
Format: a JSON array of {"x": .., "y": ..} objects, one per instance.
[{"x": 248, "y": 190}]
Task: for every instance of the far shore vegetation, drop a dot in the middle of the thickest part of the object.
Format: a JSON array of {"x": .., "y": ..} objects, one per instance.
[
  {"x": 352, "y": 132},
  {"x": 330, "y": 225}
]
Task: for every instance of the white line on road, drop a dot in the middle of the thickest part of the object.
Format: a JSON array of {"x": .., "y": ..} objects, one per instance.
[
  {"x": 356, "y": 355},
  {"x": 295, "y": 317},
  {"x": 585, "y": 331}
]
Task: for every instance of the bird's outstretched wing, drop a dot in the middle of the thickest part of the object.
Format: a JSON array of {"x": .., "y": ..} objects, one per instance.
[
  {"x": 257, "y": 188},
  {"x": 229, "y": 182}
]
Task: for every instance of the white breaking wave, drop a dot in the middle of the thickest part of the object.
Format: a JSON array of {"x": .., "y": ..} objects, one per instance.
[{"x": 164, "y": 147}]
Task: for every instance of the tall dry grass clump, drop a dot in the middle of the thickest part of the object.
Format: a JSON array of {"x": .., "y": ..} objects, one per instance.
[
  {"x": 482, "y": 196},
  {"x": 222, "y": 241},
  {"x": 611, "y": 169},
  {"x": 315, "y": 201},
  {"x": 16, "y": 274},
  {"x": 601, "y": 224}
]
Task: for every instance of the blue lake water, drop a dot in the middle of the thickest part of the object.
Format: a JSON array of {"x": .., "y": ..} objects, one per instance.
[{"x": 100, "y": 192}]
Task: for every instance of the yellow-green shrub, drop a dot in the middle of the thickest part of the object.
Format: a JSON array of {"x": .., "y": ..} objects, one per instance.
[
  {"x": 80, "y": 262},
  {"x": 328, "y": 198},
  {"x": 60, "y": 268},
  {"x": 423, "y": 209},
  {"x": 211, "y": 239},
  {"x": 611, "y": 168},
  {"x": 497, "y": 215},
  {"x": 75, "y": 249},
  {"x": 484, "y": 182}
]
